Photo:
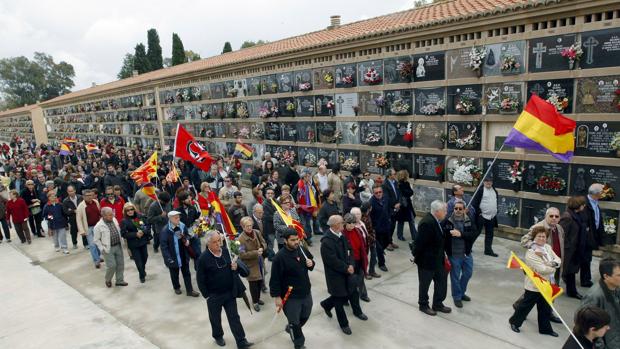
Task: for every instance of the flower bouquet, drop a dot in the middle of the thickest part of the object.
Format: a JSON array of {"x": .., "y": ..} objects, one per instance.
[
  {"x": 264, "y": 112},
  {"x": 372, "y": 77},
  {"x": 616, "y": 100},
  {"x": 433, "y": 109},
  {"x": 615, "y": 143},
  {"x": 573, "y": 53},
  {"x": 408, "y": 136},
  {"x": 330, "y": 105},
  {"x": 242, "y": 111},
  {"x": 381, "y": 161},
  {"x": 350, "y": 164},
  {"x": 550, "y": 183},
  {"x": 465, "y": 106},
  {"x": 516, "y": 172},
  {"x": 209, "y": 134},
  {"x": 440, "y": 171},
  {"x": 232, "y": 93},
  {"x": 203, "y": 225},
  {"x": 258, "y": 132},
  {"x": 337, "y": 137},
  {"x": 231, "y": 111},
  {"x": 348, "y": 79},
  {"x": 512, "y": 210},
  {"x": 290, "y": 106},
  {"x": 274, "y": 111},
  {"x": 466, "y": 172},
  {"x": 288, "y": 157},
  {"x": 510, "y": 64},
  {"x": 186, "y": 96},
  {"x": 234, "y": 247},
  {"x": 305, "y": 86},
  {"x": 476, "y": 58},
  {"x": 244, "y": 132},
  {"x": 328, "y": 77},
  {"x": 610, "y": 225},
  {"x": 310, "y": 160},
  {"x": 509, "y": 105},
  {"x": 373, "y": 138},
  {"x": 400, "y": 107},
  {"x": 405, "y": 69},
  {"x": 608, "y": 193},
  {"x": 468, "y": 142},
  {"x": 558, "y": 102}
]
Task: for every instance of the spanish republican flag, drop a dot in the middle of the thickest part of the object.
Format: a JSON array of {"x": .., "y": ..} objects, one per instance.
[
  {"x": 92, "y": 148},
  {"x": 541, "y": 127},
  {"x": 150, "y": 190},
  {"x": 243, "y": 149},
  {"x": 289, "y": 221},
  {"x": 65, "y": 149},
  {"x": 148, "y": 170},
  {"x": 548, "y": 290},
  {"x": 221, "y": 215},
  {"x": 69, "y": 140}
]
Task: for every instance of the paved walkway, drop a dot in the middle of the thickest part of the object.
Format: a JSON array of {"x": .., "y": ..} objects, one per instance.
[{"x": 50, "y": 300}]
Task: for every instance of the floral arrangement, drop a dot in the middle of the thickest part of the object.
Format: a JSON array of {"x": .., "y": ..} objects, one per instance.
[
  {"x": 405, "y": 69},
  {"x": 288, "y": 157},
  {"x": 196, "y": 93},
  {"x": 232, "y": 93},
  {"x": 244, "y": 132},
  {"x": 508, "y": 104},
  {"x": 328, "y": 77},
  {"x": 209, "y": 134},
  {"x": 310, "y": 159},
  {"x": 476, "y": 57},
  {"x": 372, "y": 77},
  {"x": 512, "y": 210},
  {"x": 264, "y": 112},
  {"x": 337, "y": 136},
  {"x": 433, "y": 109},
  {"x": 466, "y": 172},
  {"x": 510, "y": 64},
  {"x": 139, "y": 224},
  {"x": 399, "y": 106},
  {"x": 186, "y": 97},
  {"x": 290, "y": 106},
  {"x": 231, "y": 110},
  {"x": 258, "y": 132},
  {"x": 469, "y": 141},
  {"x": 615, "y": 142},
  {"x": 558, "y": 102},
  {"x": 465, "y": 106},
  {"x": 292, "y": 133},
  {"x": 322, "y": 162},
  {"x": 379, "y": 102},
  {"x": 204, "y": 225},
  {"x": 274, "y": 111},
  {"x": 373, "y": 138},
  {"x": 347, "y": 79},
  {"x": 349, "y": 164},
  {"x": 610, "y": 225},
  {"x": 608, "y": 193},
  {"x": 234, "y": 246},
  {"x": 516, "y": 172},
  {"x": 440, "y": 171},
  {"x": 305, "y": 86},
  {"x": 242, "y": 111},
  {"x": 408, "y": 136},
  {"x": 330, "y": 105},
  {"x": 573, "y": 53},
  {"x": 381, "y": 161},
  {"x": 550, "y": 183}
]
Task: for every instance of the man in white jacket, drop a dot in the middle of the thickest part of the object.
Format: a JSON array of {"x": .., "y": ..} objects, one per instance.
[{"x": 108, "y": 239}]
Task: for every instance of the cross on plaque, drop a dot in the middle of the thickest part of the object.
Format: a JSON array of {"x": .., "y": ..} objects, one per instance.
[
  {"x": 538, "y": 51},
  {"x": 590, "y": 44},
  {"x": 363, "y": 105},
  {"x": 340, "y": 101},
  {"x": 537, "y": 89}
]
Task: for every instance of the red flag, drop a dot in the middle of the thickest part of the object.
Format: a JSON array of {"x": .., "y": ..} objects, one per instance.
[
  {"x": 204, "y": 205},
  {"x": 222, "y": 216},
  {"x": 187, "y": 148}
]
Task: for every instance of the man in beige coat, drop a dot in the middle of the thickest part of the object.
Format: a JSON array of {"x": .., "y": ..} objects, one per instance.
[
  {"x": 334, "y": 181},
  {"x": 87, "y": 215},
  {"x": 108, "y": 239}
]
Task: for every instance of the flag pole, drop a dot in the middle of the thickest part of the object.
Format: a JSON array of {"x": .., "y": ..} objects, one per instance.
[
  {"x": 565, "y": 325},
  {"x": 485, "y": 174},
  {"x": 160, "y": 206}
]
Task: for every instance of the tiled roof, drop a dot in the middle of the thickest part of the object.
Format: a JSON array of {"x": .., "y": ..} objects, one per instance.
[
  {"x": 435, "y": 14},
  {"x": 19, "y": 110}
]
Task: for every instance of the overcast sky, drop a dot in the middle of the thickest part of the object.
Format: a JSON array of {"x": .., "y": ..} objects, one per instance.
[{"x": 94, "y": 36}]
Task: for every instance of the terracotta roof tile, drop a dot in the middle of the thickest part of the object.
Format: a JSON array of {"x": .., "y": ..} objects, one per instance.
[{"x": 409, "y": 19}]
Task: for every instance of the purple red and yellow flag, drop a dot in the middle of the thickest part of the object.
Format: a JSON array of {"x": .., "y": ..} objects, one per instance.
[
  {"x": 243, "y": 149},
  {"x": 69, "y": 140},
  {"x": 222, "y": 216},
  {"x": 92, "y": 148},
  {"x": 548, "y": 290},
  {"x": 541, "y": 127},
  {"x": 65, "y": 149}
]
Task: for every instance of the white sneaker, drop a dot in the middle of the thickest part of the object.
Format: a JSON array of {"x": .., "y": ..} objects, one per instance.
[
  {"x": 57, "y": 249},
  {"x": 65, "y": 251}
]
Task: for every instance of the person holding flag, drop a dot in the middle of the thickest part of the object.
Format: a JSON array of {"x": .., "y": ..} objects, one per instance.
[
  {"x": 308, "y": 203},
  {"x": 281, "y": 218}
]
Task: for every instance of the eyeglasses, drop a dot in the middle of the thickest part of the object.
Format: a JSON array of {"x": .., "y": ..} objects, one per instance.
[
  {"x": 554, "y": 216},
  {"x": 458, "y": 209},
  {"x": 131, "y": 209}
]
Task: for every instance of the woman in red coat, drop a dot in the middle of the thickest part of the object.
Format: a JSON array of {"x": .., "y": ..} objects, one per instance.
[
  {"x": 358, "y": 245},
  {"x": 17, "y": 209}
]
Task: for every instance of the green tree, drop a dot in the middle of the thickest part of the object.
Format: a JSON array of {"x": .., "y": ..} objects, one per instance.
[
  {"x": 192, "y": 56},
  {"x": 154, "y": 54},
  {"x": 127, "y": 68},
  {"x": 24, "y": 81},
  {"x": 167, "y": 62},
  {"x": 140, "y": 61},
  {"x": 178, "y": 52},
  {"x": 249, "y": 43},
  {"x": 227, "y": 47}
]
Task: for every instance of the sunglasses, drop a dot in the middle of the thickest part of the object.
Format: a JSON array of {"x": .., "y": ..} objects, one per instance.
[
  {"x": 130, "y": 209},
  {"x": 554, "y": 216},
  {"x": 458, "y": 209}
]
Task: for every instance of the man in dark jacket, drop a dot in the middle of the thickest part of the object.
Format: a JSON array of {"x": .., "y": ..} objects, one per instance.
[
  {"x": 595, "y": 232},
  {"x": 219, "y": 282},
  {"x": 429, "y": 255},
  {"x": 189, "y": 215},
  {"x": 393, "y": 195},
  {"x": 338, "y": 263},
  {"x": 237, "y": 210},
  {"x": 328, "y": 209},
  {"x": 485, "y": 205},
  {"x": 174, "y": 249},
  {"x": 380, "y": 218},
  {"x": 157, "y": 216},
  {"x": 112, "y": 179},
  {"x": 69, "y": 206},
  {"x": 269, "y": 232}
]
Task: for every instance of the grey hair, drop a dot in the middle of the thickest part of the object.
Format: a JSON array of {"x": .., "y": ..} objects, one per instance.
[
  {"x": 106, "y": 210},
  {"x": 459, "y": 201},
  {"x": 333, "y": 220},
  {"x": 210, "y": 235},
  {"x": 256, "y": 206},
  {"x": 595, "y": 189},
  {"x": 550, "y": 209},
  {"x": 437, "y": 206},
  {"x": 356, "y": 209}
]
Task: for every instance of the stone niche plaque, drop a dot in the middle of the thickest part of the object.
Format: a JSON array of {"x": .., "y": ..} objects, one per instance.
[
  {"x": 289, "y": 132},
  {"x": 230, "y": 89},
  {"x": 428, "y": 134},
  {"x": 345, "y": 104},
  {"x": 306, "y": 132},
  {"x": 367, "y": 104},
  {"x": 269, "y": 84},
  {"x": 283, "y": 106},
  {"x": 325, "y": 131},
  {"x": 423, "y": 196},
  {"x": 497, "y": 144},
  {"x": 492, "y": 63},
  {"x": 259, "y": 151},
  {"x": 464, "y": 135},
  {"x": 254, "y": 108},
  {"x": 365, "y": 69},
  {"x": 610, "y": 238},
  {"x": 394, "y": 72},
  {"x": 302, "y": 77},
  {"x": 429, "y": 66},
  {"x": 348, "y": 159},
  {"x": 323, "y": 78},
  {"x": 368, "y": 163},
  {"x": 329, "y": 155},
  {"x": 350, "y": 132},
  {"x": 556, "y": 175},
  {"x": 545, "y": 54},
  {"x": 601, "y": 48},
  {"x": 552, "y": 89},
  {"x": 272, "y": 131},
  {"x": 504, "y": 205},
  {"x": 399, "y": 102},
  {"x": 372, "y": 133},
  {"x": 598, "y": 94},
  {"x": 459, "y": 96},
  {"x": 241, "y": 85},
  {"x": 594, "y": 138},
  {"x": 321, "y": 105},
  {"x": 257, "y": 132},
  {"x": 458, "y": 64},
  {"x": 533, "y": 211},
  {"x": 401, "y": 161},
  {"x": 285, "y": 82},
  {"x": 345, "y": 75},
  {"x": 395, "y": 132},
  {"x": 304, "y": 106},
  {"x": 253, "y": 86},
  {"x": 217, "y": 90},
  {"x": 220, "y": 130},
  {"x": 429, "y": 167},
  {"x": 584, "y": 175},
  {"x": 430, "y": 101},
  {"x": 308, "y": 156},
  {"x": 504, "y": 98},
  {"x": 501, "y": 173}
]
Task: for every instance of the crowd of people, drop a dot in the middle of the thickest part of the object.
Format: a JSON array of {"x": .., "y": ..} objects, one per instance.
[{"x": 92, "y": 198}]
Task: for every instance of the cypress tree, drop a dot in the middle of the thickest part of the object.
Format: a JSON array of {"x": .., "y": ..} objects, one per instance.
[
  {"x": 140, "y": 62},
  {"x": 178, "y": 52},
  {"x": 227, "y": 47},
  {"x": 154, "y": 54}
]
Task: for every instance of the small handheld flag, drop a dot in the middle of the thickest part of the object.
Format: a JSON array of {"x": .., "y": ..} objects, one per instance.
[
  {"x": 242, "y": 149},
  {"x": 548, "y": 290},
  {"x": 148, "y": 170}
]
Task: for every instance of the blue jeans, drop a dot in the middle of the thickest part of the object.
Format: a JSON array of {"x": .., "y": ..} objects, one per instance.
[
  {"x": 373, "y": 259},
  {"x": 461, "y": 272},
  {"x": 401, "y": 225},
  {"x": 306, "y": 221},
  {"x": 94, "y": 251}
]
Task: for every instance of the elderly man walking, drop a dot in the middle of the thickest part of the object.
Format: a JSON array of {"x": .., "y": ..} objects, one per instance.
[
  {"x": 108, "y": 240},
  {"x": 595, "y": 233}
]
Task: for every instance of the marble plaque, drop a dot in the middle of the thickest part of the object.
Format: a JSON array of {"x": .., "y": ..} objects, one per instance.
[
  {"x": 230, "y": 109},
  {"x": 258, "y": 131},
  {"x": 429, "y": 167},
  {"x": 512, "y": 58},
  {"x": 254, "y": 86},
  {"x": 269, "y": 84},
  {"x": 401, "y": 161},
  {"x": 504, "y": 204},
  {"x": 464, "y": 135},
  {"x": 289, "y": 131},
  {"x": 308, "y": 156},
  {"x": 498, "y": 141},
  {"x": 272, "y": 131},
  {"x": 325, "y": 131},
  {"x": 259, "y": 151},
  {"x": 457, "y": 62},
  {"x": 552, "y": 89},
  {"x": 429, "y": 66},
  {"x": 459, "y": 96},
  {"x": 302, "y": 77},
  {"x": 430, "y": 101},
  {"x": 329, "y": 155},
  {"x": 345, "y": 104},
  {"x": 601, "y": 48},
  {"x": 304, "y": 105},
  {"x": 350, "y": 132},
  {"x": 321, "y": 105},
  {"x": 395, "y": 132},
  {"x": 594, "y": 138},
  {"x": 399, "y": 102},
  {"x": 506, "y": 98},
  {"x": 217, "y": 90},
  {"x": 241, "y": 85},
  {"x": 536, "y": 171},
  {"x": 218, "y": 110},
  {"x": 584, "y": 175},
  {"x": 428, "y": 134},
  {"x": 345, "y": 75},
  {"x": 610, "y": 238},
  {"x": 545, "y": 54},
  {"x": 533, "y": 211},
  {"x": 423, "y": 196},
  {"x": 372, "y": 133},
  {"x": 285, "y": 82},
  {"x": 368, "y": 162},
  {"x": 205, "y": 92},
  {"x": 492, "y": 61},
  {"x": 287, "y": 106},
  {"x": 370, "y": 73},
  {"x": 323, "y": 78},
  {"x": 306, "y": 132},
  {"x": 220, "y": 130},
  {"x": 598, "y": 94},
  {"x": 254, "y": 108},
  {"x": 501, "y": 173},
  {"x": 397, "y": 70},
  {"x": 230, "y": 90},
  {"x": 370, "y": 103}
]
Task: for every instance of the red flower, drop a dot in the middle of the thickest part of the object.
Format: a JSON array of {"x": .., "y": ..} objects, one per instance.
[{"x": 438, "y": 170}]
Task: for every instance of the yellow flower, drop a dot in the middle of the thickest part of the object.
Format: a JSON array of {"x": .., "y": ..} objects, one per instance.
[{"x": 141, "y": 223}]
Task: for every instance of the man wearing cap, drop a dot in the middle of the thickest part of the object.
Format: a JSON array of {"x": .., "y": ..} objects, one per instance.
[
  {"x": 176, "y": 250},
  {"x": 485, "y": 205},
  {"x": 237, "y": 210}
]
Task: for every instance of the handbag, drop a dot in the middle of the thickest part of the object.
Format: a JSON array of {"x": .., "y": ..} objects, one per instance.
[
  {"x": 35, "y": 210},
  {"x": 447, "y": 266}
]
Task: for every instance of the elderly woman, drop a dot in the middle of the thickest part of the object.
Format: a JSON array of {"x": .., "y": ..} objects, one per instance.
[
  {"x": 357, "y": 240},
  {"x": 56, "y": 222},
  {"x": 541, "y": 258},
  {"x": 575, "y": 232},
  {"x": 286, "y": 202},
  {"x": 251, "y": 253},
  {"x": 133, "y": 229},
  {"x": 30, "y": 195},
  {"x": 17, "y": 209}
]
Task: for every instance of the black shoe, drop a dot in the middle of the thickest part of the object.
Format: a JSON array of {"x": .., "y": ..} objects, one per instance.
[
  {"x": 375, "y": 275},
  {"x": 287, "y": 328},
  {"x": 428, "y": 311},
  {"x": 401, "y": 238},
  {"x": 459, "y": 304},
  {"x": 443, "y": 309},
  {"x": 383, "y": 268},
  {"x": 309, "y": 242},
  {"x": 264, "y": 289},
  {"x": 365, "y": 299},
  {"x": 552, "y": 333},
  {"x": 256, "y": 307},
  {"x": 361, "y": 316},
  {"x": 178, "y": 291},
  {"x": 515, "y": 328},
  {"x": 122, "y": 283},
  {"x": 220, "y": 341},
  {"x": 300, "y": 346},
  {"x": 142, "y": 280},
  {"x": 587, "y": 284},
  {"x": 491, "y": 253},
  {"x": 576, "y": 296},
  {"x": 346, "y": 330},
  {"x": 466, "y": 298},
  {"x": 193, "y": 294},
  {"x": 261, "y": 302},
  {"x": 555, "y": 319},
  {"x": 244, "y": 344},
  {"x": 328, "y": 312}
]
